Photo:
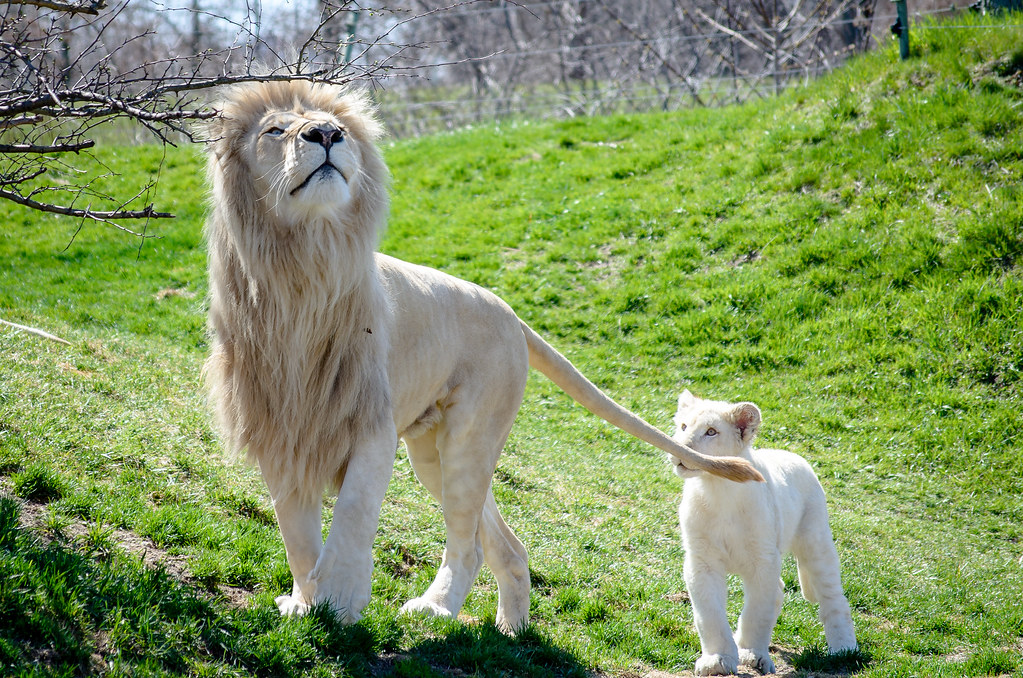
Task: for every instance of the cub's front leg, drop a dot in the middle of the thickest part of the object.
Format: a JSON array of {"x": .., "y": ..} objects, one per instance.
[{"x": 708, "y": 593}]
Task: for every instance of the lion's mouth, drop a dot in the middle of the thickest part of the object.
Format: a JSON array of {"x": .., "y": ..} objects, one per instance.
[{"x": 323, "y": 170}]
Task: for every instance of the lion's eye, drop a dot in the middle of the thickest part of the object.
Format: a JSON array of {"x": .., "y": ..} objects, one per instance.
[
  {"x": 711, "y": 432},
  {"x": 682, "y": 427},
  {"x": 273, "y": 132}
]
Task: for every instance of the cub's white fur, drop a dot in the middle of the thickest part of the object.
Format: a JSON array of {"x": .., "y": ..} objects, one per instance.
[
  {"x": 745, "y": 530},
  {"x": 324, "y": 353}
]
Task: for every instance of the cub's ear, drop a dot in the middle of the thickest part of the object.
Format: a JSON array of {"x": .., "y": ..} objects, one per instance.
[
  {"x": 746, "y": 417},
  {"x": 685, "y": 401}
]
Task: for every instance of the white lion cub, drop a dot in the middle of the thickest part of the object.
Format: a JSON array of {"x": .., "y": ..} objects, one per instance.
[{"x": 745, "y": 529}]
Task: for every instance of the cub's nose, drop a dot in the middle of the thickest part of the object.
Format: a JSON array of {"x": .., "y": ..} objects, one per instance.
[{"x": 324, "y": 136}]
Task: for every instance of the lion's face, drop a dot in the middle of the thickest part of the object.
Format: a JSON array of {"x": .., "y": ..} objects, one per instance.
[
  {"x": 304, "y": 161},
  {"x": 301, "y": 151}
]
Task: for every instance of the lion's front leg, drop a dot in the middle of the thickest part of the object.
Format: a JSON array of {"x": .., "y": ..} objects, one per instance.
[
  {"x": 344, "y": 569},
  {"x": 298, "y": 516}
]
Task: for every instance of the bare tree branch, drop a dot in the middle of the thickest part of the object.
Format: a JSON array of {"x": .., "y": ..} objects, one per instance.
[
  {"x": 23, "y": 120},
  {"x": 147, "y": 213},
  {"x": 70, "y": 67},
  {"x": 93, "y": 7},
  {"x": 52, "y": 148}
]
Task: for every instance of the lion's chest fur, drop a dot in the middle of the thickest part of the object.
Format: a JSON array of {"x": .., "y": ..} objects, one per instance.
[{"x": 299, "y": 354}]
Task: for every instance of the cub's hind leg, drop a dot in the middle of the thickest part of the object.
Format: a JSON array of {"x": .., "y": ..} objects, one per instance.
[
  {"x": 500, "y": 547},
  {"x": 820, "y": 579}
]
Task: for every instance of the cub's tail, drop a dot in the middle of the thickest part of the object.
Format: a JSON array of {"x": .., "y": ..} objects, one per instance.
[{"x": 557, "y": 368}]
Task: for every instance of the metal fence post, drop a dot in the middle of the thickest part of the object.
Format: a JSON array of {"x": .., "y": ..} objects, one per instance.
[
  {"x": 901, "y": 28},
  {"x": 350, "y": 29}
]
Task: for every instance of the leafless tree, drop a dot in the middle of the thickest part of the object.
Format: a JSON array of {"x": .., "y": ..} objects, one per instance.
[
  {"x": 581, "y": 57},
  {"x": 779, "y": 39},
  {"x": 71, "y": 67}
]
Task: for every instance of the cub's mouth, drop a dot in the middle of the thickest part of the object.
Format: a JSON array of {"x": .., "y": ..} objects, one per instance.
[
  {"x": 684, "y": 471},
  {"x": 322, "y": 171}
]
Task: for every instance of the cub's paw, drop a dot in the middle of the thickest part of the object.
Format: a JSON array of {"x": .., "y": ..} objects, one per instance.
[
  {"x": 716, "y": 665},
  {"x": 425, "y": 607},
  {"x": 290, "y": 606},
  {"x": 759, "y": 661}
]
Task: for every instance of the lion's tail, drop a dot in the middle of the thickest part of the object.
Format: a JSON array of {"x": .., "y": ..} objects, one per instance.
[{"x": 557, "y": 368}]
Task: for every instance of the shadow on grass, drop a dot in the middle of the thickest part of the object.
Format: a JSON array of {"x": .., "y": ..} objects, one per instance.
[
  {"x": 83, "y": 609},
  {"x": 482, "y": 650},
  {"x": 819, "y": 662}
]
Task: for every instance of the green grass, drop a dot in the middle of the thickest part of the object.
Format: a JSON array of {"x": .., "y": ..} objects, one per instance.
[{"x": 848, "y": 256}]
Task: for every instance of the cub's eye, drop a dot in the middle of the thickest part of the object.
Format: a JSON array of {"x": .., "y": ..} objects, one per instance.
[
  {"x": 711, "y": 432},
  {"x": 273, "y": 132},
  {"x": 682, "y": 427}
]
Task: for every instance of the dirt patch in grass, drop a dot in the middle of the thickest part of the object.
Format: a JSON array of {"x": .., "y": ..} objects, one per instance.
[
  {"x": 610, "y": 265},
  {"x": 748, "y": 258},
  {"x": 33, "y": 518},
  {"x": 1008, "y": 70}
]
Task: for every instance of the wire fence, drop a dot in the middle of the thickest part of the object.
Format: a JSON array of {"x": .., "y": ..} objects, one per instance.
[
  {"x": 677, "y": 68},
  {"x": 411, "y": 117}
]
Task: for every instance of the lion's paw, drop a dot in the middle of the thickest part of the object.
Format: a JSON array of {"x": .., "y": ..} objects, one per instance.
[
  {"x": 425, "y": 607},
  {"x": 716, "y": 665},
  {"x": 290, "y": 606},
  {"x": 759, "y": 661}
]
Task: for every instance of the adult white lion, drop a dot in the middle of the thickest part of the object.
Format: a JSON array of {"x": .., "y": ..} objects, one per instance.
[{"x": 324, "y": 354}]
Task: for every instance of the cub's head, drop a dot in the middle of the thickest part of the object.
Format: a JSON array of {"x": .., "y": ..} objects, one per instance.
[
  {"x": 714, "y": 428},
  {"x": 294, "y": 152}
]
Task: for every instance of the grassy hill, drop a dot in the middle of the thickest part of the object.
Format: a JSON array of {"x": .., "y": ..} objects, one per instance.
[{"x": 848, "y": 256}]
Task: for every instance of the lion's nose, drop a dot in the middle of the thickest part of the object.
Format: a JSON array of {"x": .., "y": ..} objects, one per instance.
[{"x": 324, "y": 136}]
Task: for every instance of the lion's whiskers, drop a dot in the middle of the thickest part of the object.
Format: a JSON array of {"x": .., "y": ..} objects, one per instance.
[
  {"x": 276, "y": 184},
  {"x": 278, "y": 187}
]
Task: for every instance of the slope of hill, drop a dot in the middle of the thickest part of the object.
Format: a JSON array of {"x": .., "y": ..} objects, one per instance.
[{"x": 848, "y": 256}]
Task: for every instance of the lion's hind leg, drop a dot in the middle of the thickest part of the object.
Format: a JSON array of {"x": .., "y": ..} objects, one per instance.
[
  {"x": 506, "y": 557},
  {"x": 425, "y": 459},
  {"x": 459, "y": 479}
]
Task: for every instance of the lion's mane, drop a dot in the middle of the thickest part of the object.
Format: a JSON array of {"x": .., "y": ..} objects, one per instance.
[{"x": 294, "y": 302}]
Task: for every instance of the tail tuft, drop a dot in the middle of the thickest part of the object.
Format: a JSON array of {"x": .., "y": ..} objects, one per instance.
[{"x": 733, "y": 468}]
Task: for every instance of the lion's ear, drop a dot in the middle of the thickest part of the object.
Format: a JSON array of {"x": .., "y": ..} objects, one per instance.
[
  {"x": 357, "y": 104},
  {"x": 211, "y": 132},
  {"x": 746, "y": 417}
]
